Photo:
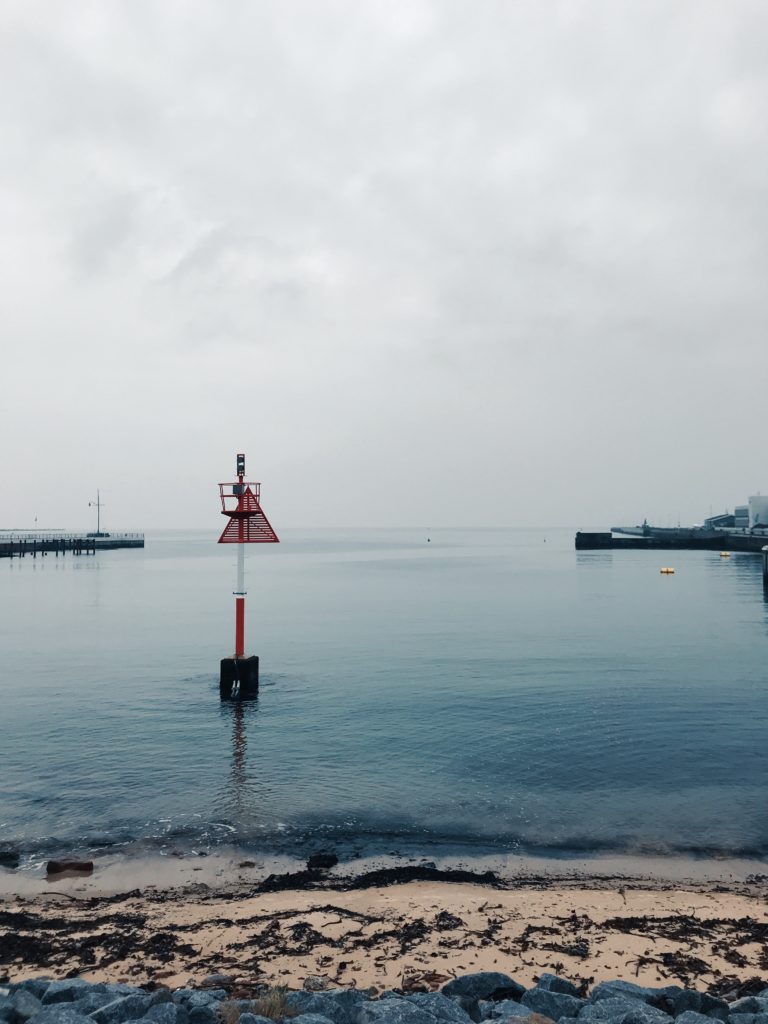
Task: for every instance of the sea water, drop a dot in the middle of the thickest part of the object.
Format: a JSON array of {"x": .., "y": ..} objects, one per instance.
[{"x": 452, "y": 690}]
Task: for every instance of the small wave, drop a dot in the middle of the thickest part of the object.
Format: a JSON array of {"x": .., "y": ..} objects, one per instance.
[{"x": 354, "y": 836}]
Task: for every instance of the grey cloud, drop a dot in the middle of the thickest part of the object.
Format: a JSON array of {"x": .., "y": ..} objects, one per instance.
[{"x": 527, "y": 238}]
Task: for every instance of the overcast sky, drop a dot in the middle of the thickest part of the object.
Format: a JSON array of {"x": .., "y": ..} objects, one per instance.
[{"x": 426, "y": 263}]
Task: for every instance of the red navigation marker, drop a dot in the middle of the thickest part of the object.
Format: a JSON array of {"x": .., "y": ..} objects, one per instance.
[{"x": 240, "y": 502}]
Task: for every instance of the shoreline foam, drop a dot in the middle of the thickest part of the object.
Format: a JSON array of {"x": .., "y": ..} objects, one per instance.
[{"x": 223, "y": 867}]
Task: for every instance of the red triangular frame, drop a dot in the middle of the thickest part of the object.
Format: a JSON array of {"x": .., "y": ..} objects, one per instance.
[{"x": 256, "y": 528}]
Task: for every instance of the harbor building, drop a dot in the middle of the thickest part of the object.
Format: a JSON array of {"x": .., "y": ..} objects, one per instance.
[{"x": 758, "y": 511}]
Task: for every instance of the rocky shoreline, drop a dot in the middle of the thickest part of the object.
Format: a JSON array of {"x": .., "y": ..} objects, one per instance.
[{"x": 490, "y": 996}]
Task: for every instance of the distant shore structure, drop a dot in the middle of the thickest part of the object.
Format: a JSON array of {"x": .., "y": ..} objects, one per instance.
[
  {"x": 746, "y": 529},
  {"x": 240, "y": 502},
  {"x": 20, "y": 543}
]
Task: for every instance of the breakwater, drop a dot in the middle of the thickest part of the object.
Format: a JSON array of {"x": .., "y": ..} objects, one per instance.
[
  {"x": 467, "y": 999},
  {"x": 686, "y": 540},
  {"x": 33, "y": 543}
]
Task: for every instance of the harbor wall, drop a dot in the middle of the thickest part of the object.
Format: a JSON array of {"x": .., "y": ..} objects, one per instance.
[{"x": 725, "y": 541}]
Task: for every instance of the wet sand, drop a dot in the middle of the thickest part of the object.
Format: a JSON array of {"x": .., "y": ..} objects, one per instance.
[{"x": 390, "y": 926}]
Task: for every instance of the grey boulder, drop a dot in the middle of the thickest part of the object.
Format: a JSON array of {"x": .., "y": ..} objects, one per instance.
[
  {"x": 37, "y": 986},
  {"x": 340, "y": 1006},
  {"x": 20, "y": 1006},
  {"x": 749, "y": 1004},
  {"x": 625, "y": 990},
  {"x": 693, "y": 1017},
  {"x": 310, "y": 1018},
  {"x": 641, "y": 1013},
  {"x": 505, "y": 1010},
  {"x": 677, "y": 1001},
  {"x": 206, "y": 1013},
  {"x": 91, "y": 1001},
  {"x": 484, "y": 985},
  {"x": 159, "y": 996},
  {"x": 554, "y": 983},
  {"x": 123, "y": 1008},
  {"x": 68, "y": 991},
  {"x": 393, "y": 1011},
  {"x": 608, "y": 1009},
  {"x": 191, "y": 997},
  {"x": 59, "y": 1015},
  {"x": 618, "y": 1007},
  {"x": 167, "y": 1013},
  {"x": 440, "y": 1006},
  {"x": 552, "y": 1004}
]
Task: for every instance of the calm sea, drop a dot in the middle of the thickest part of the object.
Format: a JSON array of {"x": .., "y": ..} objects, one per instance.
[{"x": 483, "y": 690}]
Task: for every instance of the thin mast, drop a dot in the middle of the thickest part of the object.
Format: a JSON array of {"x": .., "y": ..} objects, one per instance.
[{"x": 97, "y": 505}]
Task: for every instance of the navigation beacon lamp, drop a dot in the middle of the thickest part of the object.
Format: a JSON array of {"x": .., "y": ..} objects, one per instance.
[{"x": 247, "y": 525}]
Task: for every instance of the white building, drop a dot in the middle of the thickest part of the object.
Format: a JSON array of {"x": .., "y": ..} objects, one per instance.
[{"x": 758, "y": 511}]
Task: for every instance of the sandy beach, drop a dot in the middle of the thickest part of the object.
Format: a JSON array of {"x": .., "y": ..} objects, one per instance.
[{"x": 412, "y": 927}]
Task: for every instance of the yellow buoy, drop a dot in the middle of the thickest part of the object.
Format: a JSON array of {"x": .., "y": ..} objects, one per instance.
[
  {"x": 667, "y": 570},
  {"x": 725, "y": 554}
]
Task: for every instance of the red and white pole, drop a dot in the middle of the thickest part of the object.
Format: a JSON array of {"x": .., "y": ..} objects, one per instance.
[
  {"x": 246, "y": 524},
  {"x": 240, "y": 592}
]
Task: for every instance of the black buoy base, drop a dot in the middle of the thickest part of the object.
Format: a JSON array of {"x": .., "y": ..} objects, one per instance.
[{"x": 239, "y": 677}]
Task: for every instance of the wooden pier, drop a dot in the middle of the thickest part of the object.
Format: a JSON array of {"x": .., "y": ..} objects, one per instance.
[{"x": 19, "y": 545}]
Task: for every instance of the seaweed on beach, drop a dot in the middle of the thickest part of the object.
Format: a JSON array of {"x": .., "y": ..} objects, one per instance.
[
  {"x": 684, "y": 966},
  {"x": 98, "y": 941},
  {"x": 17, "y": 947},
  {"x": 526, "y": 940},
  {"x": 446, "y": 921},
  {"x": 296, "y": 881},
  {"x": 719, "y": 937},
  {"x": 579, "y": 948},
  {"x": 300, "y": 938},
  {"x": 684, "y": 927},
  {"x": 730, "y": 987}
]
